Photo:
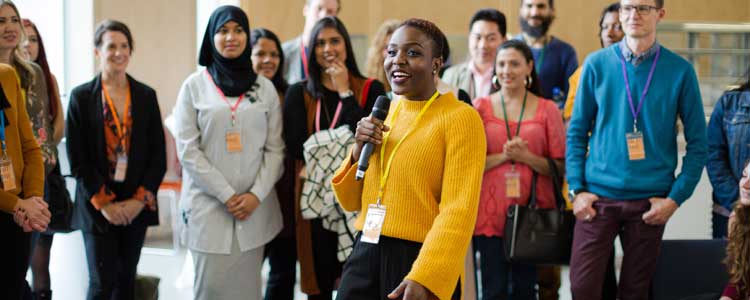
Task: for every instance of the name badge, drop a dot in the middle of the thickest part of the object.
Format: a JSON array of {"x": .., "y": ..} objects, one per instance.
[
  {"x": 373, "y": 224},
  {"x": 513, "y": 184},
  {"x": 7, "y": 174},
  {"x": 636, "y": 150},
  {"x": 121, "y": 167},
  {"x": 234, "y": 141}
]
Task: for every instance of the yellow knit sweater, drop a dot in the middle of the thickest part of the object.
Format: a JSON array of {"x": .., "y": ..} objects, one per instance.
[{"x": 432, "y": 193}]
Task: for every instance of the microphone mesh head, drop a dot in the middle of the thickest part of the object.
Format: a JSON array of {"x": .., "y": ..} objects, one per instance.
[{"x": 380, "y": 110}]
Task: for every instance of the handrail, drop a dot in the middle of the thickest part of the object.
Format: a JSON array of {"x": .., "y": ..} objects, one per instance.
[
  {"x": 705, "y": 27},
  {"x": 704, "y": 51}
]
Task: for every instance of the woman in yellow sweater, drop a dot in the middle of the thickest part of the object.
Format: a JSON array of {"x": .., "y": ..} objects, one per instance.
[
  {"x": 21, "y": 188},
  {"x": 420, "y": 195}
]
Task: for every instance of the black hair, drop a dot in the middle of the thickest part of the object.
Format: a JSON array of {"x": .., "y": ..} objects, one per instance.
[
  {"x": 278, "y": 78},
  {"x": 612, "y": 8},
  {"x": 314, "y": 83},
  {"x": 490, "y": 15},
  {"x": 439, "y": 41},
  {"x": 521, "y": 46},
  {"x": 660, "y": 3},
  {"x": 112, "y": 25},
  {"x": 746, "y": 85},
  {"x": 551, "y": 3}
]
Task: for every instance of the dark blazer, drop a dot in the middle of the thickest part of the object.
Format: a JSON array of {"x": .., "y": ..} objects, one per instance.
[{"x": 84, "y": 131}]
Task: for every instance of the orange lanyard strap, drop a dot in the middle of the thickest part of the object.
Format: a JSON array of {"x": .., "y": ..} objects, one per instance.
[{"x": 119, "y": 124}]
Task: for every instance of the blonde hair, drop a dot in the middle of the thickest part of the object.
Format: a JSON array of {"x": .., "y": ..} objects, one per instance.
[
  {"x": 18, "y": 59},
  {"x": 375, "y": 58}
]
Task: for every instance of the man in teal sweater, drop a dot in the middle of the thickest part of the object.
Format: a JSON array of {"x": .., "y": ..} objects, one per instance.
[{"x": 622, "y": 175}]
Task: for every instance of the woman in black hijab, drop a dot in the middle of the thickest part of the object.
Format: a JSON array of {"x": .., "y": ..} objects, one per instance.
[{"x": 228, "y": 136}]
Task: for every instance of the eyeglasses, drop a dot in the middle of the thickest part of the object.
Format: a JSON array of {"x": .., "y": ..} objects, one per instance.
[{"x": 641, "y": 9}]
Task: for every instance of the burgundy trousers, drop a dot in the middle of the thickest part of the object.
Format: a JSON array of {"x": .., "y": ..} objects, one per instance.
[{"x": 592, "y": 246}]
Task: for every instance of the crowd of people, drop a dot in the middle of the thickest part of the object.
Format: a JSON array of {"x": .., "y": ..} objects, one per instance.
[{"x": 269, "y": 136}]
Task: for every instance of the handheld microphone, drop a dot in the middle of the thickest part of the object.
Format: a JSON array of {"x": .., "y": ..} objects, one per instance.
[{"x": 379, "y": 111}]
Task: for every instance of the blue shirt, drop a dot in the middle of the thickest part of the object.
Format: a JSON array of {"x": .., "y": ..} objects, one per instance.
[
  {"x": 637, "y": 59},
  {"x": 729, "y": 149},
  {"x": 602, "y": 109},
  {"x": 560, "y": 61}
]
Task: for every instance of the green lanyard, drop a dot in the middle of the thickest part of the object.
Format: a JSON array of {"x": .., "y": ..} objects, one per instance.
[
  {"x": 507, "y": 125},
  {"x": 520, "y": 118}
]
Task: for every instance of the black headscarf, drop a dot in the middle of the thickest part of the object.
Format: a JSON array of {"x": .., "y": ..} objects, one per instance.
[{"x": 233, "y": 76}]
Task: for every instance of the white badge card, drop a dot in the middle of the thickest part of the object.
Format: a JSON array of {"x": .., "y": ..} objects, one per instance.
[
  {"x": 636, "y": 150},
  {"x": 121, "y": 167},
  {"x": 513, "y": 184},
  {"x": 234, "y": 140},
  {"x": 8, "y": 175},
  {"x": 373, "y": 224}
]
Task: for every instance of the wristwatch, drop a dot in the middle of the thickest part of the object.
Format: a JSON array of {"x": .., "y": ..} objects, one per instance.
[
  {"x": 346, "y": 94},
  {"x": 572, "y": 193}
]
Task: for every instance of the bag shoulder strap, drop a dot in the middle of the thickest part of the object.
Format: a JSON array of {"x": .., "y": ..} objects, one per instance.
[
  {"x": 365, "y": 92},
  {"x": 532, "y": 194},
  {"x": 556, "y": 183}
]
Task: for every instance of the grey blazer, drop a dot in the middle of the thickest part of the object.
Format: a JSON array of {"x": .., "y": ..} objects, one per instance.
[{"x": 292, "y": 60}]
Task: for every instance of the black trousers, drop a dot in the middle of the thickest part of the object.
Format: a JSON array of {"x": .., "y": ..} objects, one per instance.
[
  {"x": 14, "y": 257},
  {"x": 282, "y": 257},
  {"x": 113, "y": 261},
  {"x": 374, "y": 271},
  {"x": 325, "y": 261}
]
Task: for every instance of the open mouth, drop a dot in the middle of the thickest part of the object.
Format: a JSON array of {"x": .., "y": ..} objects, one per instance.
[{"x": 400, "y": 77}]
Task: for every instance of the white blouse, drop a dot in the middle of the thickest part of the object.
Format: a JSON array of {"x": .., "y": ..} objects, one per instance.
[{"x": 212, "y": 175}]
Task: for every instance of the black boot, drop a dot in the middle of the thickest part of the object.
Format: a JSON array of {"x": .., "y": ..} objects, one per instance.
[{"x": 43, "y": 295}]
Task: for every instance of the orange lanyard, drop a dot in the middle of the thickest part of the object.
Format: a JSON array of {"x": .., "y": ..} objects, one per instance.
[{"x": 119, "y": 124}]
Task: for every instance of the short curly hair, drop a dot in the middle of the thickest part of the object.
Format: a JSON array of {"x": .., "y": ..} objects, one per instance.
[{"x": 431, "y": 30}]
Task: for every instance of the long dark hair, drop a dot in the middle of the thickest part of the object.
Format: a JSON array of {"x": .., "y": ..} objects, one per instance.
[
  {"x": 520, "y": 46},
  {"x": 612, "y": 8},
  {"x": 41, "y": 60},
  {"x": 314, "y": 82},
  {"x": 746, "y": 85},
  {"x": 278, "y": 78}
]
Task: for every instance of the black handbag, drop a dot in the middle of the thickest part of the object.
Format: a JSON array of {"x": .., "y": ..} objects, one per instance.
[
  {"x": 540, "y": 236},
  {"x": 59, "y": 202}
]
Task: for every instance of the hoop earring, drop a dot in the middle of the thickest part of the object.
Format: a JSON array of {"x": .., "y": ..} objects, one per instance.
[
  {"x": 529, "y": 81},
  {"x": 495, "y": 82}
]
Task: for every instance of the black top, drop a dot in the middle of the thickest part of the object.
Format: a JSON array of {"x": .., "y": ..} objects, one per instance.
[
  {"x": 464, "y": 97},
  {"x": 84, "y": 130},
  {"x": 295, "y": 113}
]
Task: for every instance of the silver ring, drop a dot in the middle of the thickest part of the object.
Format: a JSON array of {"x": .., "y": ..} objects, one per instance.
[{"x": 587, "y": 218}]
